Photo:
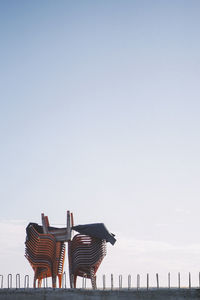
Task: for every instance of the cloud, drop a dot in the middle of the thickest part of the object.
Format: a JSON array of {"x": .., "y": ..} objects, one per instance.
[
  {"x": 182, "y": 211},
  {"x": 134, "y": 256},
  {"x": 127, "y": 256},
  {"x": 12, "y": 235}
]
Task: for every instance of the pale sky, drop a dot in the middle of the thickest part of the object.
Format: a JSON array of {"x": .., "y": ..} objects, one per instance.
[{"x": 99, "y": 114}]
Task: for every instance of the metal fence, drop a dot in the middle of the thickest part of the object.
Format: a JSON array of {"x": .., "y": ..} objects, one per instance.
[{"x": 106, "y": 282}]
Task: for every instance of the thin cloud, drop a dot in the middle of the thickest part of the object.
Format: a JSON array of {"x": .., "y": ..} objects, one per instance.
[{"x": 127, "y": 256}]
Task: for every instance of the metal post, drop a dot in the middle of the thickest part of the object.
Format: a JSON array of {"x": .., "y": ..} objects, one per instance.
[
  {"x": 129, "y": 281},
  {"x": 120, "y": 281},
  {"x": 26, "y": 281},
  {"x": 189, "y": 280},
  {"x": 45, "y": 281},
  {"x": 138, "y": 281},
  {"x": 64, "y": 279},
  {"x": 1, "y": 276},
  {"x": 9, "y": 281},
  {"x": 169, "y": 280},
  {"x": 179, "y": 280},
  {"x": 84, "y": 281},
  {"x": 112, "y": 282},
  {"x": 104, "y": 281},
  {"x": 147, "y": 281},
  {"x": 157, "y": 280},
  {"x": 18, "y": 281},
  {"x": 72, "y": 281},
  {"x": 199, "y": 279}
]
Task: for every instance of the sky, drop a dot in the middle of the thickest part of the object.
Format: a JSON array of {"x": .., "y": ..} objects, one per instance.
[{"x": 99, "y": 115}]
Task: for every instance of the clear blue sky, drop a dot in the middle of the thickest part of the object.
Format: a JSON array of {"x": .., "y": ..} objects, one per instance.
[{"x": 99, "y": 114}]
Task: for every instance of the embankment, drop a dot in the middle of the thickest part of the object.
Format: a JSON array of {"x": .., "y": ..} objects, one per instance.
[{"x": 82, "y": 294}]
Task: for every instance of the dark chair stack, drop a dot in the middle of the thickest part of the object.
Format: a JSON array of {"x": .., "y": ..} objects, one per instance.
[
  {"x": 85, "y": 254},
  {"x": 45, "y": 254}
]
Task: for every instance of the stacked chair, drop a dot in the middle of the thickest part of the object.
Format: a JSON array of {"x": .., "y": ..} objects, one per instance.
[
  {"x": 45, "y": 255},
  {"x": 45, "y": 250},
  {"x": 85, "y": 254}
]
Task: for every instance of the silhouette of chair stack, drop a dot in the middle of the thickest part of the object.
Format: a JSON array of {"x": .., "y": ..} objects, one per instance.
[{"x": 85, "y": 254}]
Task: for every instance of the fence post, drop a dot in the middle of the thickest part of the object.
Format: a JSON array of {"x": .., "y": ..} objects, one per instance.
[
  {"x": 199, "y": 279},
  {"x": 64, "y": 279},
  {"x": 9, "y": 281},
  {"x": 138, "y": 281},
  {"x": 189, "y": 280},
  {"x": 44, "y": 281},
  {"x": 26, "y": 281},
  {"x": 17, "y": 280},
  {"x": 1, "y": 276},
  {"x": 104, "y": 281},
  {"x": 179, "y": 280},
  {"x": 169, "y": 280},
  {"x": 120, "y": 281},
  {"x": 47, "y": 281},
  {"x": 147, "y": 281},
  {"x": 72, "y": 281},
  {"x": 157, "y": 280},
  {"x": 129, "y": 281},
  {"x": 112, "y": 282},
  {"x": 84, "y": 281}
]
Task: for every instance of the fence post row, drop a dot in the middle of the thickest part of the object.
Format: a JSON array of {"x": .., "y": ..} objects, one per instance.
[{"x": 64, "y": 285}]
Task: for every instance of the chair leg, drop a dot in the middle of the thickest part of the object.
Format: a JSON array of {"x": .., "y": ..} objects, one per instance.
[
  {"x": 71, "y": 280},
  {"x": 39, "y": 282},
  {"x": 35, "y": 277},
  {"x": 60, "y": 280},
  {"x": 53, "y": 281},
  {"x": 34, "y": 282},
  {"x": 93, "y": 279},
  {"x": 74, "y": 280}
]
